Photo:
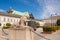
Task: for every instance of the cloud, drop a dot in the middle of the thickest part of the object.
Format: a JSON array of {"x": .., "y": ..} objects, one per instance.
[
  {"x": 1, "y": 10},
  {"x": 49, "y": 7},
  {"x": 25, "y": 1}
]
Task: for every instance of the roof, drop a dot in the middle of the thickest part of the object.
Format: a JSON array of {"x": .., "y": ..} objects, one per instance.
[
  {"x": 18, "y": 12},
  {"x": 52, "y": 18},
  {"x": 10, "y": 15},
  {"x": 35, "y": 20}
]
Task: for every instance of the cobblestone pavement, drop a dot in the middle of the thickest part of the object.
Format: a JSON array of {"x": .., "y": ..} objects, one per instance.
[{"x": 53, "y": 36}]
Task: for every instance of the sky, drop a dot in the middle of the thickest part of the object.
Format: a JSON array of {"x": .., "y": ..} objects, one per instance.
[{"x": 39, "y": 8}]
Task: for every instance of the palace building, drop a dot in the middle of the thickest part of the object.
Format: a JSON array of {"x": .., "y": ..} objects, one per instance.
[{"x": 11, "y": 16}]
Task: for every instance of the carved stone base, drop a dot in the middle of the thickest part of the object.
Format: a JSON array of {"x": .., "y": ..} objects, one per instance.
[{"x": 18, "y": 28}]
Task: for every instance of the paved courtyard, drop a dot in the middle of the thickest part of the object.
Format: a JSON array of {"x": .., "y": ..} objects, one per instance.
[
  {"x": 53, "y": 36},
  {"x": 21, "y": 35}
]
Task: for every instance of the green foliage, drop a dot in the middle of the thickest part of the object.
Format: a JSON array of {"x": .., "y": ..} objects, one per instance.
[
  {"x": 37, "y": 25},
  {"x": 6, "y": 27},
  {"x": 47, "y": 29},
  {"x": 51, "y": 28},
  {"x": 57, "y": 27},
  {"x": 0, "y": 24},
  {"x": 8, "y": 24},
  {"x": 54, "y": 28},
  {"x": 31, "y": 16},
  {"x": 58, "y": 22}
]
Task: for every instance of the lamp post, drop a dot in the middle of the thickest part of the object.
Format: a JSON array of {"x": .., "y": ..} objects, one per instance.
[
  {"x": 56, "y": 18},
  {"x": 51, "y": 20}
]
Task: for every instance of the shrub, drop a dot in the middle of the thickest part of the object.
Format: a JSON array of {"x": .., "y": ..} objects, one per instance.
[
  {"x": 51, "y": 28},
  {"x": 5, "y": 27},
  {"x": 0, "y": 24},
  {"x": 58, "y": 27},
  {"x": 54, "y": 28},
  {"x": 47, "y": 29},
  {"x": 37, "y": 25},
  {"x": 58, "y": 22},
  {"x": 8, "y": 24}
]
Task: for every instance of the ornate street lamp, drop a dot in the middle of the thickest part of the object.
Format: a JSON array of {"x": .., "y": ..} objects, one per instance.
[{"x": 51, "y": 20}]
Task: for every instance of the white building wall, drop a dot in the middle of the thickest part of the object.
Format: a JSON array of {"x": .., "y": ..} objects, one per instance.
[
  {"x": 6, "y": 19},
  {"x": 42, "y": 23},
  {"x": 50, "y": 21}
]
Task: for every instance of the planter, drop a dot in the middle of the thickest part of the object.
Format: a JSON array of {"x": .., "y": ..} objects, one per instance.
[
  {"x": 46, "y": 32},
  {"x": 5, "y": 27}
]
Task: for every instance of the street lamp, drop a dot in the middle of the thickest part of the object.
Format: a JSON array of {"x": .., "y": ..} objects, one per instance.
[
  {"x": 56, "y": 18},
  {"x": 51, "y": 20}
]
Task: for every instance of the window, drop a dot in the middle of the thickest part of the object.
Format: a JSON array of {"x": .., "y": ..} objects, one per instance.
[
  {"x": 17, "y": 20},
  {"x": 8, "y": 19},
  {"x": 14, "y": 20},
  {"x": 11, "y": 20},
  {"x": 4, "y": 19}
]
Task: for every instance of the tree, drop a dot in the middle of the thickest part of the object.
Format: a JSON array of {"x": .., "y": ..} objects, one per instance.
[
  {"x": 31, "y": 16},
  {"x": 58, "y": 22},
  {"x": 0, "y": 24},
  {"x": 37, "y": 25}
]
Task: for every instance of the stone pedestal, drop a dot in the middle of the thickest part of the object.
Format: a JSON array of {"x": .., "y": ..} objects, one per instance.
[{"x": 28, "y": 34}]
